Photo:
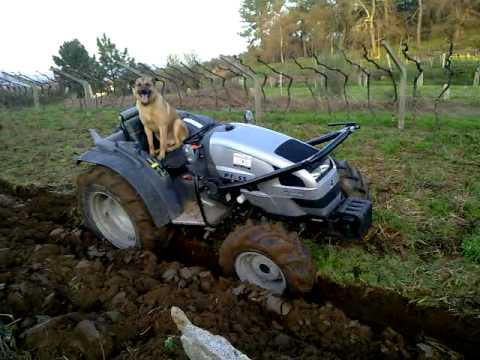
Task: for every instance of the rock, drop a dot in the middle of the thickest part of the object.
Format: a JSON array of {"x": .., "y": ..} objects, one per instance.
[
  {"x": 5, "y": 277},
  {"x": 119, "y": 300},
  {"x": 57, "y": 234},
  {"x": 199, "y": 344},
  {"x": 282, "y": 341},
  {"x": 425, "y": 351},
  {"x": 89, "y": 267},
  {"x": 92, "y": 343},
  {"x": 145, "y": 284},
  {"x": 45, "y": 251},
  {"x": 93, "y": 252},
  {"x": 169, "y": 274},
  {"x": 87, "y": 329},
  {"x": 239, "y": 290},
  {"x": 156, "y": 296},
  {"x": 50, "y": 301},
  {"x": 17, "y": 302},
  {"x": 113, "y": 315},
  {"x": 186, "y": 273},
  {"x": 6, "y": 201},
  {"x": 83, "y": 266},
  {"x": 149, "y": 262},
  {"x": 206, "y": 281},
  {"x": 196, "y": 270},
  {"x": 38, "y": 335}
]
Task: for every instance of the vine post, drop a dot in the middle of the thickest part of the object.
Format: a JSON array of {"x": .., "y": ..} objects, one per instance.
[
  {"x": 402, "y": 96},
  {"x": 256, "y": 83},
  {"x": 87, "y": 88},
  {"x": 476, "y": 77}
]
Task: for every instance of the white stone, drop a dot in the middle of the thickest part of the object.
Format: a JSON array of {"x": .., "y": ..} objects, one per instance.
[{"x": 199, "y": 344}]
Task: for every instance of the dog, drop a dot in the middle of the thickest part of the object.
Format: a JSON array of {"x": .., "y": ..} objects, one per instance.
[{"x": 159, "y": 118}]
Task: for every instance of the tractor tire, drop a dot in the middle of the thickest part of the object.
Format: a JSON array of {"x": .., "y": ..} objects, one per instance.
[
  {"x": 270, "y": 257},
  {"x": 113, "y": 210},
  {"x": 352, "y": 182}
]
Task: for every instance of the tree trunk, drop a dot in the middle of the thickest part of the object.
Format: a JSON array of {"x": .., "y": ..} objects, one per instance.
[
  {"x": 304, "y": 45},
  {"x": 386, "y": 10},
  {"x": 372, "y": 30},
  {"x": 419, "y": 23},
  {"x": 282, "y": 60}
]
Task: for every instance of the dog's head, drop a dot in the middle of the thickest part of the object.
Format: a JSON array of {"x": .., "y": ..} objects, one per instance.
[{"x": 144, "y": 90}]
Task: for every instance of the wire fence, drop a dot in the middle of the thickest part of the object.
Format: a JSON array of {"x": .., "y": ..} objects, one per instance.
[{"x": 329, "y": 83}]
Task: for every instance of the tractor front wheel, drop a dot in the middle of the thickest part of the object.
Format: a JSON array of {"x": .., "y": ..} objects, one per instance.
[{"x": 269, "y": 257}]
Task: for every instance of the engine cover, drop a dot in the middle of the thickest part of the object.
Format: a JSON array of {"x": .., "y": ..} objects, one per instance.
[{"x": 241, "y": 152}]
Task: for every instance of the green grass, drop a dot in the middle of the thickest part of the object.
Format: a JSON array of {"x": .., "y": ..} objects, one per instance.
[
  {"x": 425, "y": 185},
  {"x": 382, "y": 91},
  {"x": 471, "y": 246}
]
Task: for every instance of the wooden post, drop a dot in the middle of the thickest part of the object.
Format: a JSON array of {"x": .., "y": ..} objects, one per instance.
[
  {"x": 36, "y": 97},
  {"x": 87, "y": 88},
  {"x": 257, "y": 88},
  {"x": 402, "y": 93},
  {"x": 476, "y": 78},
  {"x": 446, "y": 95},
  {"x": 420, "y": 81}
]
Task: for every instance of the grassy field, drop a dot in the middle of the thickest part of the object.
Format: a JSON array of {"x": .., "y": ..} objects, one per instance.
[{"x": 425, "y": 185}]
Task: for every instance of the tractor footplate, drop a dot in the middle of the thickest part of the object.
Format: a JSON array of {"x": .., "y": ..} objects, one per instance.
[{"x": 355, "y": 217}]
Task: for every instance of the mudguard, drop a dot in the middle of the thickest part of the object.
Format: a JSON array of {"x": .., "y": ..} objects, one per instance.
[{"x": 153, "y": 186}]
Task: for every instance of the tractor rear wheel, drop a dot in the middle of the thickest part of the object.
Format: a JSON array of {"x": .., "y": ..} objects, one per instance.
[
  {"x": 268, "y": 256},
  {"x": 352, "y": 182},
  {"x": 113, "y": 210}
]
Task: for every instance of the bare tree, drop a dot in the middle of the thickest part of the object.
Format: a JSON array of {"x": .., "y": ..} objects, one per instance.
[
  {"x": 370, "y": 22},
  {"x": 419, "y": 23}
]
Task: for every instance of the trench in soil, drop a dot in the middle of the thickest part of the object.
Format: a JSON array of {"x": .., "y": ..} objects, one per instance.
[{"x": 380, "y": 309}]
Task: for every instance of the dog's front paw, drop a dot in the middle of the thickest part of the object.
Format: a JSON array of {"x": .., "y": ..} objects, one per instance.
[{"x": 159, "y": 155}]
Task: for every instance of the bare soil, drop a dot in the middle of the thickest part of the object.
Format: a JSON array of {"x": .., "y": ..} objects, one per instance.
[{"x": 72, "y": 296}]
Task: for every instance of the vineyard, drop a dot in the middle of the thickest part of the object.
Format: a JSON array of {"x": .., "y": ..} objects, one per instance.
[{"x": 399, "y": 82}]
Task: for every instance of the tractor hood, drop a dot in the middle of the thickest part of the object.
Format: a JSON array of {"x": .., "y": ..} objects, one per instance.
[{"x": 239, "y": 145}]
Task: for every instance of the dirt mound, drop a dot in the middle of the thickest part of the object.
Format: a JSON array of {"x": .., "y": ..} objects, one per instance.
[{"x": 65, "y": 294}]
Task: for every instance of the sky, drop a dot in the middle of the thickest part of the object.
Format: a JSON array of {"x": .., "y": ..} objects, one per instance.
[{"x": 31, "y": 31}]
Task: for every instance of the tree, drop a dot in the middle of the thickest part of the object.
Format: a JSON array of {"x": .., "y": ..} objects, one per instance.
[
  {"x": 173, "y": 60},
  {"x": 369, "y": 13},
  {"x": 73, "y": 55},
  {"x": 73, "y": 58},
  {"x": 111, "y": 59},
  {"x": 284, "y": 28},
  {"x": 257, "y": 16},
  {"x": 190, "y": 59},
  {"x": 419, "y": 23}
]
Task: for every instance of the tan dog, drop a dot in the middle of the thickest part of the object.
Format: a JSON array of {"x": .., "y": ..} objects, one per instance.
[{"x": 158, "y": 118}]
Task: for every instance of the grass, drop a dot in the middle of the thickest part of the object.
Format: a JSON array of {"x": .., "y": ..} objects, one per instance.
[
  {"x": 425, "y": 184},
  {"x": 383, "y": 91}
]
